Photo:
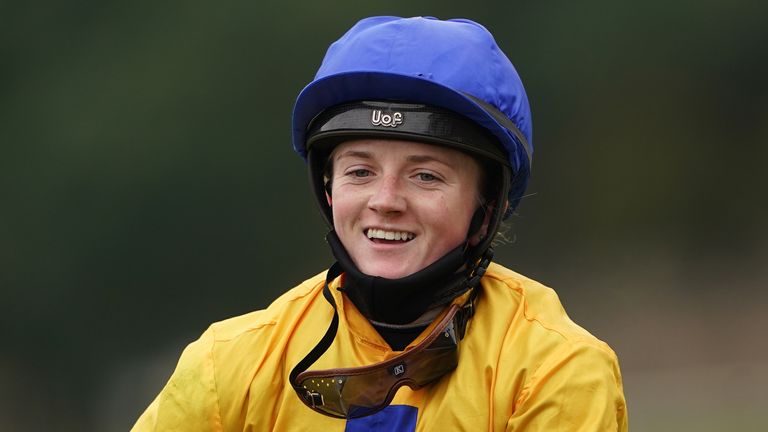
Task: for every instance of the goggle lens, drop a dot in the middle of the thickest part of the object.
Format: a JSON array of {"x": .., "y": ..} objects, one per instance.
[{"x": 362, "y": 391}]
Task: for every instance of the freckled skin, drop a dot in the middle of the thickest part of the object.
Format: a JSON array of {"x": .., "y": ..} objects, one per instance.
[{"x": 427, "y": 190}]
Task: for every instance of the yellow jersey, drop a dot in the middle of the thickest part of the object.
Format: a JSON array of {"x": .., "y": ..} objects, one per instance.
[{"x": 523, "y": 366}]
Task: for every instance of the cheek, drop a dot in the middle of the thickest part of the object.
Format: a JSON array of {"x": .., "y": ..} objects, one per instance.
[
  {"x": 447, "y": 219},
  {"x": 337, "y": 210},
  {"x": 343, "y": 210},
  {"x": 457, "y": 215}
]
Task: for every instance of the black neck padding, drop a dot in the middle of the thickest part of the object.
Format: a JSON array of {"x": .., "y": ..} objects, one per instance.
[{"x": 402, "y": 301}]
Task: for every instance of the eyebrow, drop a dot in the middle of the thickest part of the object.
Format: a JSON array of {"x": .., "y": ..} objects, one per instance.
[
  {"x": 367, "y": 155},
  {"x": 354, "y": 153},
  {"x": 423, "y": 158}
]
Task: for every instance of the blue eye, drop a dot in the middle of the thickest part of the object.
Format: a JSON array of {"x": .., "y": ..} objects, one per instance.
[
  {"x": 427, "y": 177},
  {"x": 361, "y": 173}
]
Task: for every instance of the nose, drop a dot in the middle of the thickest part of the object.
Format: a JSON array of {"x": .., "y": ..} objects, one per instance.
[{"x": 387, "y": 196}]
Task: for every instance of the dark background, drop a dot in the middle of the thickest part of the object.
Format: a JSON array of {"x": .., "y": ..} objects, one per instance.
[{"x": 148, "y": 188}]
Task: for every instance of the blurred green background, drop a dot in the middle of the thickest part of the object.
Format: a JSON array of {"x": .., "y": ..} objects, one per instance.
[{"x": 148, "y": 188}]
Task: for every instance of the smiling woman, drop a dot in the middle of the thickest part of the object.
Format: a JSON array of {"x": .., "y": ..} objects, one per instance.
[
  {"x": 382, "y": 188},
  {"x": 417, "y": 134}
]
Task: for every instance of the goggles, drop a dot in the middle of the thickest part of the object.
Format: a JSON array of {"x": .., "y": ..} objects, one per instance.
[{"x": 362, "y": 391}]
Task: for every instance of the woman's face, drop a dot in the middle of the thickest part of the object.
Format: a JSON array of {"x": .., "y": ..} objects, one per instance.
[{"x": 398, "y": 206}]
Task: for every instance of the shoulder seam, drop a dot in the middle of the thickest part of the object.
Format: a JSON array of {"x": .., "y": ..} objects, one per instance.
[
  {"x": 515, "y": 284},
  {"x": 267, "y": 321}
]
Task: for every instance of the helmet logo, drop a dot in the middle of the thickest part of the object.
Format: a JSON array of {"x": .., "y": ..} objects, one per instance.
[{"x": 391, "y": 120}]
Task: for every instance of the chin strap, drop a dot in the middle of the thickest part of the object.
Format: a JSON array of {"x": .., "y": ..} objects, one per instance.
[{"x": 471, "y": 283}]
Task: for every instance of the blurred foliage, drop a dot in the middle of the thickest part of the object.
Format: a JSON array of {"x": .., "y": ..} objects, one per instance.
[{"x": 148, "y": 187}]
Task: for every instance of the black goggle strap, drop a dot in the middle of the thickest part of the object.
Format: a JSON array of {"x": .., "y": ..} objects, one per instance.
[{"x": 330, "y": 334}]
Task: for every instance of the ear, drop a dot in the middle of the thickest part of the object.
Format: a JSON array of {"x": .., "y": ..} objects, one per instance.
[
  {"x": 483, "y": 230},
  {"x": 327, "y": 188}
]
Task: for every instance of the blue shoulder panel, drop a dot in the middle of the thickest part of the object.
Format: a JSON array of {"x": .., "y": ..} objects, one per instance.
[{"x": 401, "y": 418}]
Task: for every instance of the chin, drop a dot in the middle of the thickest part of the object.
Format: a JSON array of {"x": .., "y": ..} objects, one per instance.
[{"x": 387, "y": 272}]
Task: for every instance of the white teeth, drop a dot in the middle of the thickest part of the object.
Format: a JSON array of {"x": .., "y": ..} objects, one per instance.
[{"x": 374, "y": 233}]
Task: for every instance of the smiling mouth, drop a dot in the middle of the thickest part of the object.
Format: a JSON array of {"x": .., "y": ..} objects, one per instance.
[{"x": 379, "y": 234}]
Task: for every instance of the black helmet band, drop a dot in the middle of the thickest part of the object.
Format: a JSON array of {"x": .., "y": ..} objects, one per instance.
[{"x": 395, "y": 120}]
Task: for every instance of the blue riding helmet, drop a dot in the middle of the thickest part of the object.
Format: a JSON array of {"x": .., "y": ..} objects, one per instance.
[{"x": 453, "y": 65}]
